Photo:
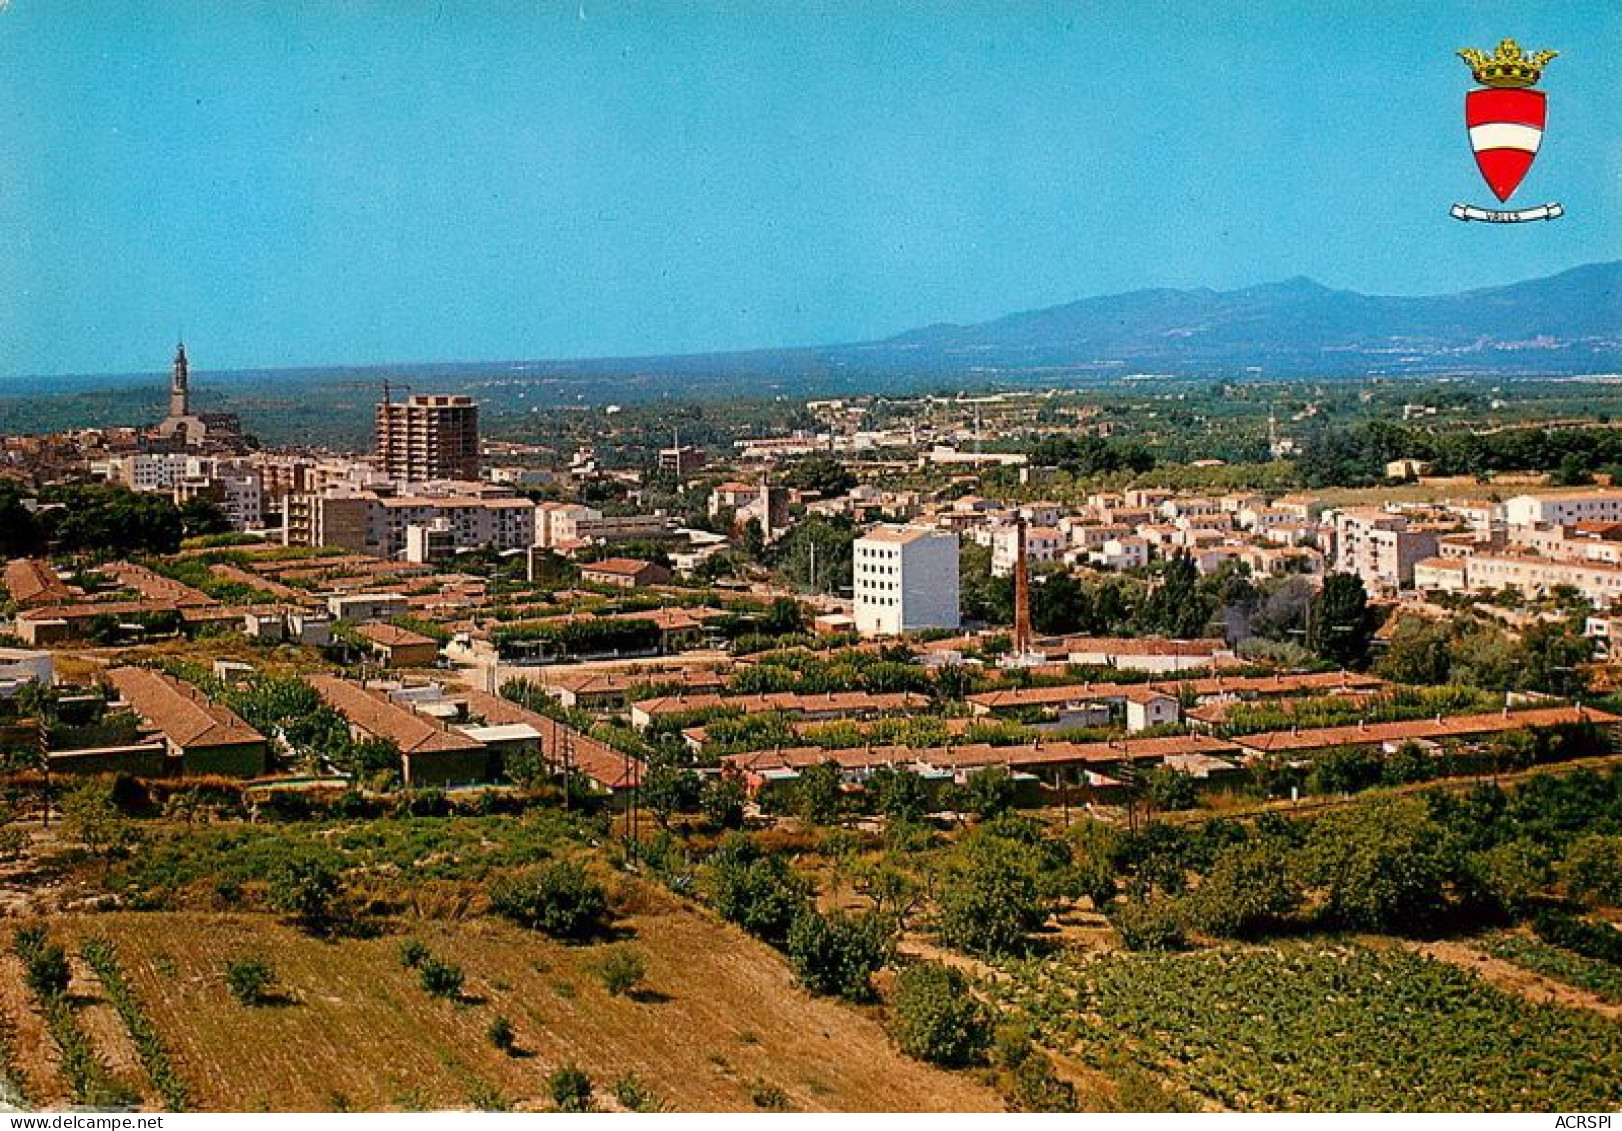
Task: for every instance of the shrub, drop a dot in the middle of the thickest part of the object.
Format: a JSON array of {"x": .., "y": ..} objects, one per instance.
[
  {"x": 935, "y": 1018},
  {"x": 501, "y": 1034},
  {"x": 570, "y": 1088},
  {"x": 412, "y": 953},
  {"x": 1027, "y": 1078},
  {"x": 559, "y": 899},
  {"x": 1591, "y": 940},
  {"x": 440, "y": 978},
  {"x": 634, "y": 1095},
  {"x": 768, "y": 1097},
  {"x": 1593, "y": 869},
  {"x": 305, "y": 887},
  {"x": 1170, "y": 788},
  {"x": 1250, "y": 887},
  {"x": 992, "y": 894},
  {"x": 1381, "y": 865},
  {"x": 46, "y": 969},
  {"x": 1148, "y": 923},
  {"x": 837, "y": 954},
  {"x": 249, "y": 980},
  {"x": 759, "y": 893},
  {"x": 622, "y": 970}
]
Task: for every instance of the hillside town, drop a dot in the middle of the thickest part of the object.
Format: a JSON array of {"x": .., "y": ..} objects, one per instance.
[{"x": 467, "y": 623}]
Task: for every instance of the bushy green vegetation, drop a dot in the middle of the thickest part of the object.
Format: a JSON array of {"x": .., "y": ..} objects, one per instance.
[
  {"x": 1321, "y": 1028},
  {"x": 837, "y": 954},
  {"x": 560, "y": 899},
  {"x": 622, "y": 970},
  {"x": 576, "y": 637},
  {"x": 46, "y": 970},
  {"x": 250, "y": 980},
  {"x": 936, "y": 1018},
  {"x": 759, "y": 892},
  {"x": 391, "y": 853}
]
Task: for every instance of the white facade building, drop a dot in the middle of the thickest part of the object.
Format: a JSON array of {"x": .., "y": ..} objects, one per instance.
[
  {"x": 1564, "y": 510},
  {"x": 906, "y": 579}
]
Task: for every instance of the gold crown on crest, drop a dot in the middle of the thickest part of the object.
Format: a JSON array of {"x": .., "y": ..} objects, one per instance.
[{"x": 1508, "y": 67}]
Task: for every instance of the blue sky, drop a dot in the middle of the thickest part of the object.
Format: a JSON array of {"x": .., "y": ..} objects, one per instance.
[{"x": 326, "y": 183}]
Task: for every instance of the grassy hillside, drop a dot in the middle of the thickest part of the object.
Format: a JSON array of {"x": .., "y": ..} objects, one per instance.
[{"x": 721, "y": 1025}]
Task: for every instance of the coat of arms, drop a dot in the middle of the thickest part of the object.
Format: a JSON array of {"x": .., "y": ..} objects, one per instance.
[{"x": 1505, "y": 117}]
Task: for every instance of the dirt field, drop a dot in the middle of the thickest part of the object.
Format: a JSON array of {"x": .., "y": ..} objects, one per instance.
[{"x": 720, "y": 1027}]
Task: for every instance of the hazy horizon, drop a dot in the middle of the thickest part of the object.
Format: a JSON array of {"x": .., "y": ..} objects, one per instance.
[{"x": 293, "y": 185}]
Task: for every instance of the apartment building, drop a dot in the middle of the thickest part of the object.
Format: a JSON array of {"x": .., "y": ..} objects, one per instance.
[
  {"x": 906, "y": 578},
  {"x": 428, "y": 437},
  {"x": 1564, "y": 510},
  {"x": 1380, "y": 547}
]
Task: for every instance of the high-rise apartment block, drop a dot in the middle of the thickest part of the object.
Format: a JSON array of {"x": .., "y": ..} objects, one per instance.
[
  {"x": 906, "y": 579},
  {"x": 428, "y": 437}
]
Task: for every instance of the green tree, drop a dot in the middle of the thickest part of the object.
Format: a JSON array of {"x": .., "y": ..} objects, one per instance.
[
  {"x": 723, "y": 801},
  {"x": 1170, "y": 789},
  {"x": 1593, "y": 869},
  {"x": 1061, "y": 604},
  {"x": 837, "y": 954},
  {"x": 560, "y": 899},
  {"x": 307, "y": 887},
  {"x": 91, "y": 816},
  {"x": 992, "y": 894},
  {"x": 1380, "y": 865},
  {"x": 1251, "y": 888},
  {"x": 823, "y": 474},
  {"x": 20, "y": 534},
  {"x": 987, "y": 793},
  {"x": 1342, "y": 624},
  {"x": 1177, "y": 606},
  {"x": 1553, "y": 654},
  {"x": 899, "y": 793},
  {"x": 819, "y": 794},
  {"x": 200, "y": 516},
  {"x": 759, "y": 893},
  {"x": 936, "y": 1018},
  {"x": 668, "y": 788}
]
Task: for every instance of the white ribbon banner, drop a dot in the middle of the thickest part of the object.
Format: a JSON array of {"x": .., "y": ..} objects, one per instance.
[{"x": 1541, "y": 212}]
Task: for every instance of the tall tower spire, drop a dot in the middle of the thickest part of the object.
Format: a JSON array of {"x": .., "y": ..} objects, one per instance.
[{"x": 179, "y": 384}]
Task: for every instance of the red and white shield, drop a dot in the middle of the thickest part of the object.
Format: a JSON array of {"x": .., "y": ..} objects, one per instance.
[{"x": 1506, "y": 127}]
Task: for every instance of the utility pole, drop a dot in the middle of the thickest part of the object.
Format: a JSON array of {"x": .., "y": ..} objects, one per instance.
[{"x": 45, "y": 768}]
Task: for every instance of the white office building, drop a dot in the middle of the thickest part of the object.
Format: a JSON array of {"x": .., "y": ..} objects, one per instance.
[{"x": 906, "y": 579}]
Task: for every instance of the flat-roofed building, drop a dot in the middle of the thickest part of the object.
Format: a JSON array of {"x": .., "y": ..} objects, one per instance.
[
  {"x": 906, "y": 579},
  {"x": 428, "y": 437}
]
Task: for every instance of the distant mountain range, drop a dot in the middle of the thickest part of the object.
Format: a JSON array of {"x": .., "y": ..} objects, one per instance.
[
  {"x": 1570, "y": 323},
  {"x": 1566, "y": 323}
]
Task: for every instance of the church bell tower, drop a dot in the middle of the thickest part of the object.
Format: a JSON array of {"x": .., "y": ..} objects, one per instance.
[{"x": 179, "y": 390}]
